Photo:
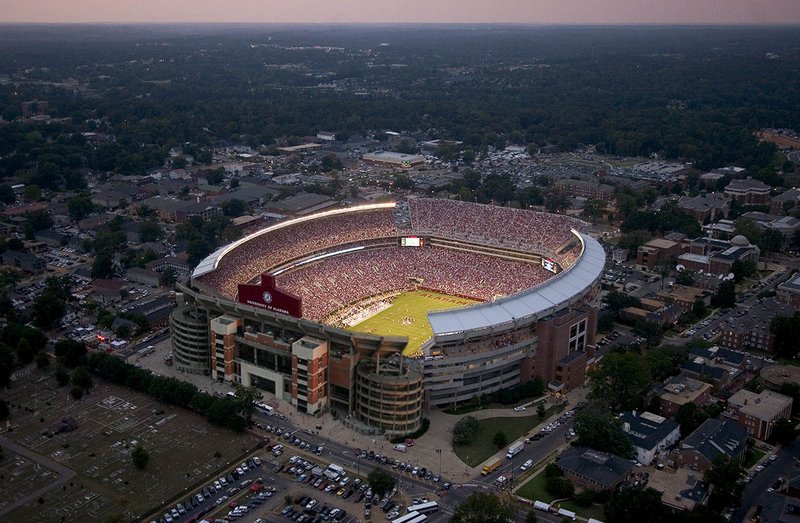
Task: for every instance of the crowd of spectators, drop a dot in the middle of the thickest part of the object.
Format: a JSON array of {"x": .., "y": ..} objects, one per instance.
[
  {"x": 548, "y": 234},
  {"x": 331, "y": 284},
  {"x": 504, "y": 226},
  {"x": 285, "y": 244}
]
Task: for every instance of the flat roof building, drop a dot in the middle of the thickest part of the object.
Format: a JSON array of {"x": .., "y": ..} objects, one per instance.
[
  {"x": 758, "y": 412},
  {"x": 401, "y": 160}
]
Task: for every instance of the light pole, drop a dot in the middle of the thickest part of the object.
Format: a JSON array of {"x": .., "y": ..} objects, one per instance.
[{"x": 439, "y": 452}]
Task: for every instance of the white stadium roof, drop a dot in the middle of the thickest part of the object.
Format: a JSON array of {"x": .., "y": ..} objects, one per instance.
[{"x": 537, "y": 302}]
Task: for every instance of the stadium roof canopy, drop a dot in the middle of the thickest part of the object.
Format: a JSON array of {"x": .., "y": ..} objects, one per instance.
[
  {"x": 537, "y": 302},
  {"x": 210, "y": 262}
]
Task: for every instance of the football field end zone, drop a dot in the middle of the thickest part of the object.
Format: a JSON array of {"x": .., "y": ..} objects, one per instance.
[{"x": 408, "y": 316}]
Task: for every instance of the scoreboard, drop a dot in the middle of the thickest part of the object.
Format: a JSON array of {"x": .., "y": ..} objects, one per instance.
[
  {"x": 549, "y": 265},
  {"x": 412, "y": 241}
]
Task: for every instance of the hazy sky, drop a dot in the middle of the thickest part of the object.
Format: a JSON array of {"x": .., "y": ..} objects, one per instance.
[{"x": 401, "y": 11}]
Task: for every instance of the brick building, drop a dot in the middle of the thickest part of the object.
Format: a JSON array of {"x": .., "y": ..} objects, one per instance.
[{"x": 758, "y": 413}]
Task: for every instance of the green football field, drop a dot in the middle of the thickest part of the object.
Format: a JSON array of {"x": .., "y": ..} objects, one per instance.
[{"x": 408, "y": 316}]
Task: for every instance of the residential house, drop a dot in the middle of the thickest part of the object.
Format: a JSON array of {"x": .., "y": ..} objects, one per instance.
[{"x": 649, "y": 433}]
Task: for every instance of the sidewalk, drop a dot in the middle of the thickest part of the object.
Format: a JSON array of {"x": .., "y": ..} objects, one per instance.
[{"x": 433, "y": 450}]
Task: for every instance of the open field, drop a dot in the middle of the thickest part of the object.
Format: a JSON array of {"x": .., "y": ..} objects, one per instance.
[
  {"x": 110, "y": 421},
  {"x": 408, "y": 316},
  {"x": 482, "y": 447}
]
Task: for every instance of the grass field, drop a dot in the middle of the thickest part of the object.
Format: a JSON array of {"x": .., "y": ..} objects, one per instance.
[
  {"x": 482, "y": 447},
  {"x": 414, "y": 307},
  {"x": 534, "y": 491}
]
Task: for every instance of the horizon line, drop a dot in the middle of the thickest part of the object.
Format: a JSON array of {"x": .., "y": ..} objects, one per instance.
[{"x": 377, "y": 24}]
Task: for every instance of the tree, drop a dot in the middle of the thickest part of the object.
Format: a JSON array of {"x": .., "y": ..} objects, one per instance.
[
  {"x": 103, "y": 264},
  {"x": 233, "y": 207},
  {"x": 784, "y": 330},
  {"x": 689, "y": 416},
  {"x": 605, "y": 323},
  {"x": 380, "y": 482},
  {"x": 629, "y": 505},
  {"x": 465, "y": 430},
  {"x": 76, "y": 392},
  {"x": 685, "y": 278},
  {"x": 48, "y": 309},
  {"x": 557, "y": 202},
  {"x": 215, "y": 177},
  {"x": 482, "y": 507},
  {"x": 42, "y": 360},
  {"x": 6, "y": 364},
  {"x": 80, "y": 207},
  {"x": 699, "y": 308},
  {"x": 531, "y": 517},
  {"x": 723, "y": 478},
  {"x": 784, "y": 432},
  {"x": 725, "y": 296},
  {"x": 150, "y": 231},
  {"x": 62, "y": 376},
  {"x": 594, "y": 208},
  {"x": 540, "y": 411},
  {"x": 621, "y": 380},
  {"x": 81, "y": 378},
  {"x": 500, "y": 439},
  {"x": 70, "y": 353},
  {"x": 7, "y": 194},
  {"x": 599, "y": 429},
  {"x": 4, "y": 410},
  {"x": 559, "y": 486},
  {"x": 25, "y": 352},
  {"x": 140, "y": 457},
  {"x": 168, "y": 277}
]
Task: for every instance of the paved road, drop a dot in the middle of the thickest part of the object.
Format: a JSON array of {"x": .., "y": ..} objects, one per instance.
[
  {"x": 64, "y": 474},
  {"x": 784, "y": 465}
]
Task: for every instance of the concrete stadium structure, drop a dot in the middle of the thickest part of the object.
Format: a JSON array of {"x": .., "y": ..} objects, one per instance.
[{"x": 280, "y": 339}]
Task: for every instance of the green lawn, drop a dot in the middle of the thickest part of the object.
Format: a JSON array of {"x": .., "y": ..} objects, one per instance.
[
  {"x": 752, "y": 457},
  {"x": 534, "y": 490},
  {"x": 482, "y": 447},
  {"x": 408, "y": 316}
]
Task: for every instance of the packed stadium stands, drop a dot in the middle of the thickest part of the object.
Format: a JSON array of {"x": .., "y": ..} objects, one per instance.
[
  {"x": 332, "y": 283},
  {"x": 529, "y": 230},
  {"x": 338, "y": 281},
  {"x": 288, "y": 243}
]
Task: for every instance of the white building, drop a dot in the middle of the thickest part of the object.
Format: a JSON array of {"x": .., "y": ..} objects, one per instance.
[{"x": 650, "y": 434}]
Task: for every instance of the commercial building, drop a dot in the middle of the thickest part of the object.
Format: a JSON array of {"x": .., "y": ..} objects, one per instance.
[
  {"x": 585, "y": 189},
  {"x": 392, "y": 159},
  {"x": 655, "y": 252},
  {"x": 789, "y": 291},
  {"x": 751, "y": 329},
  {"x": 706, "y": 207},
  {"x": 649, "y": 433},
  {"x": 680, "y": 390},
  {"x": 23, "y": 261},
  {"x": 758, "y": 412},
  {"x": 748, "y": 191}
]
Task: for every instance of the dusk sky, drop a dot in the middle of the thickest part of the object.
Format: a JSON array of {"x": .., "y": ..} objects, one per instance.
[{"x": 405, "y": 11}]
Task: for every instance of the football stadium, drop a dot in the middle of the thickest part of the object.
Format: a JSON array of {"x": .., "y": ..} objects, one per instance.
[{"x": 381, "y": 310}]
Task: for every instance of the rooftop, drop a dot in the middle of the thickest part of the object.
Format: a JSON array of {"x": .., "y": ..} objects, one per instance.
[
  {"x": 605, "y": 469},
  {"x": 766, "y": 405},
  {"x": 716, "y": 437},
  {"x": 747, "y": 184},
  {"x": 647, "y": 430}
]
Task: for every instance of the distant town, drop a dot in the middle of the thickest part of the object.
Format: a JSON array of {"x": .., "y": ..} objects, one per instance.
[{"x": 374, "y": 322}]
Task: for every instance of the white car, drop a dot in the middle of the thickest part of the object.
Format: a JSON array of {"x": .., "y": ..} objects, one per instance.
[
  {"x": 519, "y": 409},
  {"x": 525, "y": 466}
]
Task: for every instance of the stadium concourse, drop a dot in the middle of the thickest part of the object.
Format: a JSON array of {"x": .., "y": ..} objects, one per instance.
[{"x": 303, "y": 309}]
